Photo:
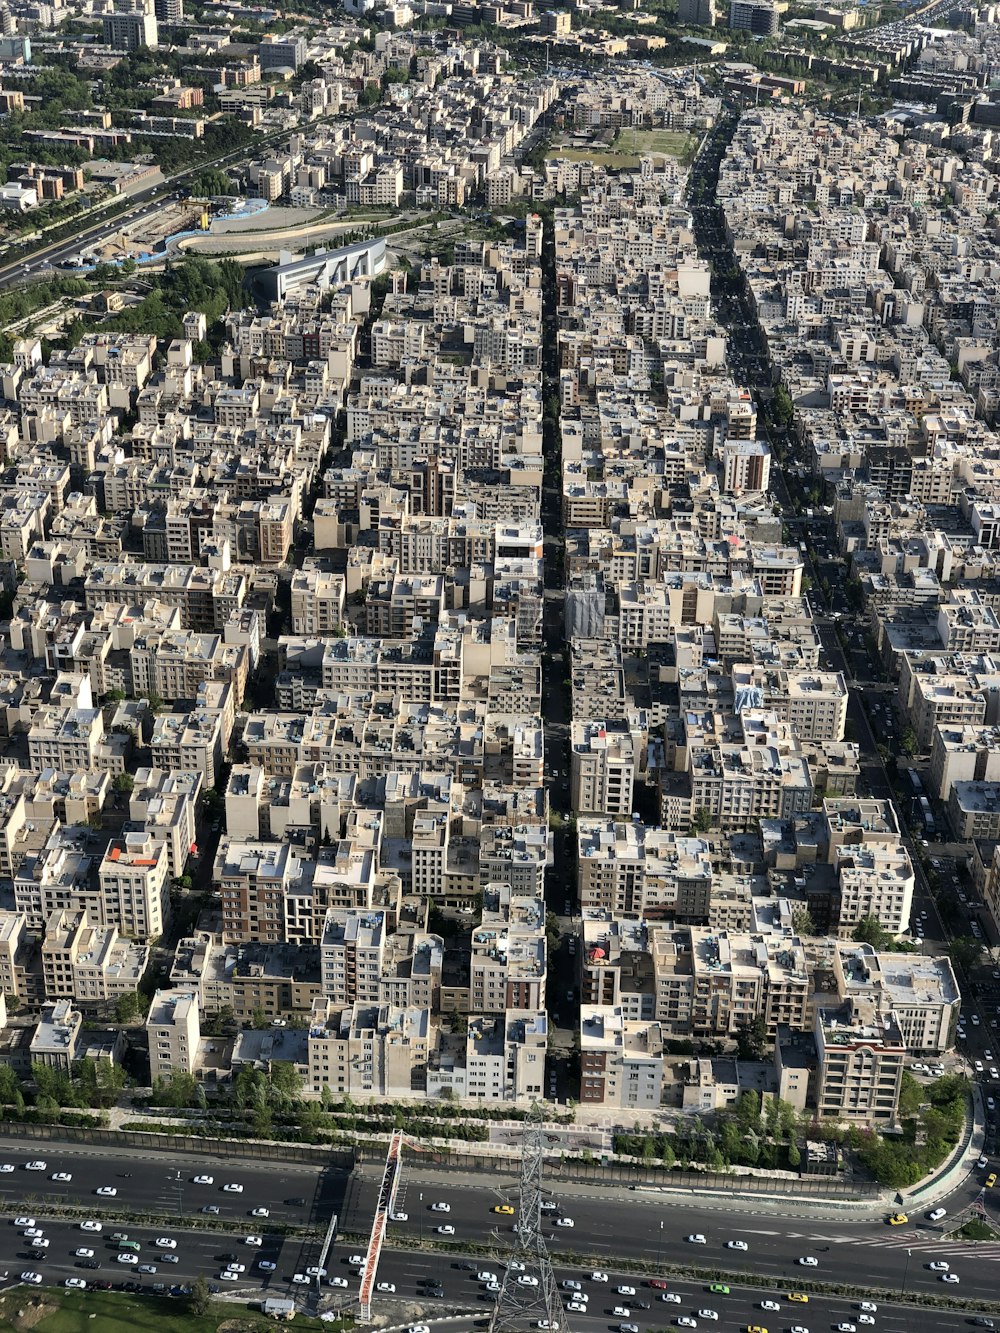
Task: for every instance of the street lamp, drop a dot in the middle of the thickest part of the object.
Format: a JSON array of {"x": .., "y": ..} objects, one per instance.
[
  {"x": 906, "y": 1269},
  {"x": 659, "y": 1247},
  {"x": 421, "y": 1217}
]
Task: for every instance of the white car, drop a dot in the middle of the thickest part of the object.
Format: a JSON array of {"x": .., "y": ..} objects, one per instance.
[
  {"x": 41, "y": 1242},
  {"x": 260, "y": 1212},
  {"x": 314, "y": 1271},
  {"x": 708, "y": 1314},
  {"x": 241, "y": 1268},
  {"x": 106, "y": 1192},
  {"x": 204, "y": 1180},
  {"x": 388, "y": 1287},
  {"x": 29, "y": 1233},
  {"x": 577, "y": 1307},
  {"x": 36, "y": 1278},
  {"x": 798, "y": 1328},
  {"x": 128, "y": 1259},
  {"x": 950, "y": 1277},
  {"x": 446, "y": 1230},
  {"x": 6, "y": 1168},
  {"x": 937, "y": 1214},
  {"x": 266, "y": 1266},
  {"x": 232, "y": 1188},
  {"x": 165, "y": 1243},
  {"x": 24, "y": 1221},
  {"x": 696, "y": 1238},
  {"x": 228, "y": 1276},
  {"x": 75, "y": 1283},
  {"x": 685, "y": 1321},
  {"x": 770, "y": 1305},
  {"x": 418, "y": 1328},
  {"x": 866, "y": 1319},
  {"x": 484, "y": 1275},
  {"x": 939, "y": 1266},
  {"x": 34, "y": 1166},
  {"x": 527, "y": 1280},
  {"x": 256, "y": 1241},
  {"x": 621, "y": 1312},
  {"x": 338, "y": 1282},
  {"x": 546, "y": 1323},
  {"x": 494, "y": 1287},
  {"x": 65, "y": 1177},
  {"x": 846, "y": 1328},
  {"x": 572, "y": 1285},
  {"x": 399, "y": 1217},
  {"x": 625, "y": 1291},
  {"x": 299, "y": 1279},
  {"x": 809, "y": 1261},
  {"x": 737, "y": 1245},
  {"x": 598, "y": 1276},
  {"x": 84, "y": 1253},
  {"x": 670, "y": 1297},
  {"x": 91, "y": 1226},
  {"x": 169, "y": 1259},
  {"x": 440, "y": 1207},
  {"x": 565, "y": 1222},
  {"x": 869, "y": 1307},
  {"x": 356, "y": 1259}
]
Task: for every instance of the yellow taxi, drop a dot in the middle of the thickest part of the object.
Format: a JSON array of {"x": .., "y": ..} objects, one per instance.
[
  {"x": 897, "y": 1219},
  {"x": 991, "y": 1180},
  {"x": 799, "y": 1296},
  {"x": 756, "y": 1328},
  {"x": 505, "y": 1209}
]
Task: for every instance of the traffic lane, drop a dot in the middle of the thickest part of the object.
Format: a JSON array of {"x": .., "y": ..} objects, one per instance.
[
  {"x": 165, "y": 1182},
  {"x": 866, "y": 1252},
  {"x": 409, "y": 1270},
  {"x": 197, "y": 1253}
]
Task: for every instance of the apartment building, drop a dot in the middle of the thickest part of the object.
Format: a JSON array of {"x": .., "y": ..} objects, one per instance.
[
  {"x": 603, "y": 762},
  {"x": 352, "y": 953},
  {"x": 874, "y": 881},
  {"x": 89, "y": 964},
  {"x": 919, "y": 991},
  {"x": 861, "y": 1058},
  {"x": 621, "y": 1061},
  {"x": 253, "y": 880},
  {"x": 135, "y": 886},
  {"x": 368, "y": 1051},
  {"x": 173, "y": 1030}
]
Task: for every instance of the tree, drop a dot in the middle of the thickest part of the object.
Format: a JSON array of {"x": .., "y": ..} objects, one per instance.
[
  {"x": 703, "y": 820},
  {"x": 751, "y": 1039},
  {"x": 965, "y": 952},
  {"x": 8, "y": 1085},
  {"x": 784, "y": 408},
  {"x": 127, "y": 1007},
  {"x": 794, "y": 1156},
  {"x": 869, "y": 931},
  {"x": 200, "y": 1300},
  {"x": 908, "y": 741},
  {"x": 802, "y": 922},
  {"x": 124, "y": 782}
]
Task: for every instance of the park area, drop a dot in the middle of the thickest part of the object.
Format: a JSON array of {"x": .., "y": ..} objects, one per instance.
[
  {"x": 34, "y": 1310},
  {"x": 625, "y": 150}
]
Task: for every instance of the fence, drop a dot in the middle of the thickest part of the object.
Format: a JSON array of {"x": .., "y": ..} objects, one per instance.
[{"x": 303, "y": 1154}]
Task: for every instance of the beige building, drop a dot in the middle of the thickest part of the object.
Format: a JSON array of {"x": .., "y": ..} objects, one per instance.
[
  {"x": 173, "y": 1029},
  {"x": 135, "y": 886},
  {"x": 89, "y": 964},
  {"x": 368, "y": 1050},
  {"x": 860, "y": 1066},
  {"x": 875, "y": 880},
  {"x": 919, "y": 991},
  {"x": 621, "y": 1061},
  {"x": 602, "y": 767},
  {"x": 351, "y": 955}
]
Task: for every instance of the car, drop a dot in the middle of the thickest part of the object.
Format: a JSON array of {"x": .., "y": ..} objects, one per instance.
[
  {"x": 950, "y": 1277},
  {"x": 337, "y": 1281},
  {"x": 983, "y": 1163},
  {"x": 88, "y": 1263},
  {"x": 982, "y": 1320},
  {"x": 869, "y": 1307},
  {"x": 493, "y": 1287},
  {"x": 232, "y": 1188},
  {"x": 484, "y": 1275},
  {"x": 65, "y": 1177},
  {"x": 24, "y": 1221},
  {"x": 34, "y": 1166},
  {"x": 671, "y": 1298},
  {"x": 598, "y": 1276},
  {"x": 506, "y": 1209},
  {"x": 298, "y": 1279},
  {"x": 41, "y": 1242},
  {"x": 990, "y": 1180},
  {"x": 356, "y": 1259},
  {"x": 211, "y": 1209},
  {"x": 798, "y": 1328},
  {"x": 165, "y": 1243},
  {"x": 147, "y": 1268},
  {"x": 621, "y": 1312},
  {"x": 708, "y": 1314},
  {"x": 35, "y": 1278},
  {"x": 127, "y": 1259},
  {"x": 91, "y": 1226},
  {"x": 577, "y": 1307},
  {"x": 266, "y": 1266},
  {"x": 296, "y": 1202},
  {"x": 546, "y": 1323},
  {"x": 106, "y": 1192},
  {"x": 260, "y": 1212},
  {"x": 798, "y": 1296},
  {"x": 939, "y": 1266},
  {"x": 204, "y": 1180},
  {"x": 256, "y": 1241},
  {"x": 737, "y": 1245},
  {"x": 119, "y": 1236},
  {"x": 628, "y": 1328},
  {"x": 897, "y": 1219},
  {"x": 625, "y": 1291},
  {"x": 549, "y": 1206},
  {"x": 84, "y": 1253},
  {"x": 418, "y": 1328},
  {"x": 6, "y": 1168},
  {"x": 719, "y": 1289},
  {"x": 399, "y": 1217},
  {"x": 937, "y": 1214},
  {"x": 845, "y": 1327},
  {"x": 866, "y": 1319},
  {"x": 445, "y": 1230},
  {"x": 527, "y": 1280},
  {"x": 440, "y": 1207},
  {"x": 169, "y": 1259},
  {"x": 685, "y": 1321},
  {"x": 228, "y": 1276},
  {"x": 770, "y": 1305},
  {"x": 696, "y": 1238},
  {"x": 313, "y": 1271},
  {"x": 388, "y": 1287},
  {"x": 808, "y": 1261},
  {"x": 756, "y": 1328}
]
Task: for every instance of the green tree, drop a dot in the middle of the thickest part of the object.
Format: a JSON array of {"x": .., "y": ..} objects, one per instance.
[
  {"x": 200, "y": 1300},
  {"x": 869, "y": 931},
  {"x": 802, "y": 922},
  {"x": 784, "y": 408},
  {"x": 124, "y": 782},
  {"x": 794, "y": 1156},
  {"x": 965, "y": 952},
  {"x": 908, "y": 741},
  {"x": 703, "y": 820},
  {"x": 751, "y": 1039},
  {"x": 748, "y": 1111},
  {"x": 8, "y": 1085}
]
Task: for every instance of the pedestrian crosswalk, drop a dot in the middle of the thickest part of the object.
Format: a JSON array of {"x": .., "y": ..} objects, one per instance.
[{"x": 918, "y": 1244}]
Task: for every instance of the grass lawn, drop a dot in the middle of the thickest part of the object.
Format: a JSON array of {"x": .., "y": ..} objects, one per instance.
[
  {"x": 58, "y": 1311},
  {"x": 599, "y": 159},
  {"x": 673, "y": 143}
]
